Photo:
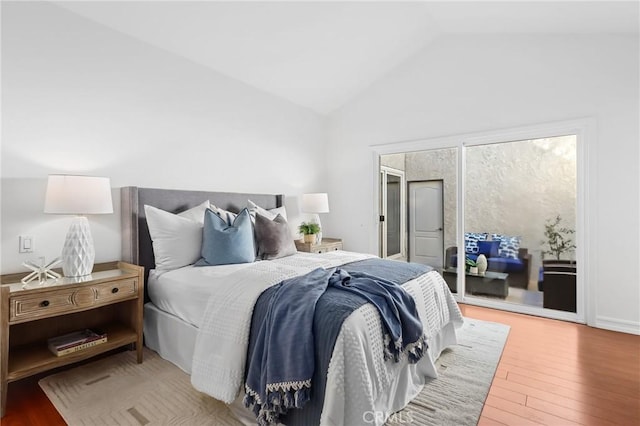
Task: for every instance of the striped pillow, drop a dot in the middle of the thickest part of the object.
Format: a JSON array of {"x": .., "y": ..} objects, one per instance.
[
  {"x": 471, "y": 241},
  {"x": 509, "y": 246}
]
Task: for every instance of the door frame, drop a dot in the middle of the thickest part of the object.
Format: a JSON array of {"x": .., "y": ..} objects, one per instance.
[
  {"x": 585, "y": 131},
  {"x": 441, "y": 181},
  {"x": 384, "y": 171}
]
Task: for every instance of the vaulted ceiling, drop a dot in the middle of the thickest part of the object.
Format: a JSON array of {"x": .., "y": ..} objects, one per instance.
[{"x": 321, "y": 54}]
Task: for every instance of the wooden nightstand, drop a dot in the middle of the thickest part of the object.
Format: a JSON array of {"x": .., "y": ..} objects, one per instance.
[
  {"x": 327, "y": 244},
  {"x": 110, "y": 299}
]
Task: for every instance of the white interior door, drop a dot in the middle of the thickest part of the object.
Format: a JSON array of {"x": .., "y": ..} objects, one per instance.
[{"x": 426, "y": 223}]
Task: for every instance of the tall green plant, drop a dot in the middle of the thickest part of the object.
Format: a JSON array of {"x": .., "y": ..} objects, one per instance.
[{"x": 557, "y": 238}]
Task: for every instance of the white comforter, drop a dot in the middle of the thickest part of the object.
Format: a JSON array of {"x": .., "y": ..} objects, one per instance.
[{"x": 357, "y": 383}]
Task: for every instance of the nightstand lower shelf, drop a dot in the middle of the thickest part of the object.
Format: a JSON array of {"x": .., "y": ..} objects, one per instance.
[{"x": 33, "y": 358}]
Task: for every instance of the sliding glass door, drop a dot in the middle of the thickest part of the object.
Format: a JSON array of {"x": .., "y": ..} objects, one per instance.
[
  {"x": 520, "y": 221},
  {"x": 508, "y": 212},
  {"x": 431, "y": 206}
]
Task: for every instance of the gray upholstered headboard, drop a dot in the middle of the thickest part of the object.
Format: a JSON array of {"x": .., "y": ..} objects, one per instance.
[{"x": 136, "y": 241}]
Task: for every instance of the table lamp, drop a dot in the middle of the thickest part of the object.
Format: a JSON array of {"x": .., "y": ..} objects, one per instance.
[
  {"x": 316, "y": 203},
  {"x": 80, "y": 196}
]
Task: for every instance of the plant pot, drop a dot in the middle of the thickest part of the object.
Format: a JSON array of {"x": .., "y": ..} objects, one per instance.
[
  {"x": 310, "y": 238},
  {"x": 473, "y": 270}
]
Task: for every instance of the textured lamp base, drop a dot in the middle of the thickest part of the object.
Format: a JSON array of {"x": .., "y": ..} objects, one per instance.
[
  {"x": 78, "y": 253},
  {"x": 316, "y": 219}
]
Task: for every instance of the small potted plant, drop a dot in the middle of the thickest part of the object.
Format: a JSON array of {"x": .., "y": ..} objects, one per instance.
[
  {"x": 557, "y": 238},
  {"x": 471, "y": 265},
  {"x": 309, "y": 230}
]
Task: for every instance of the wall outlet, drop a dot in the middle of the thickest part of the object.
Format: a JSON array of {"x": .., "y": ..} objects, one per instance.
[{"x": 25, "y": 244}]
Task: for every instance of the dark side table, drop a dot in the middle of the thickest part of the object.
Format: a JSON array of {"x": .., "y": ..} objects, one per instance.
[{"x": 491, "y": 283}]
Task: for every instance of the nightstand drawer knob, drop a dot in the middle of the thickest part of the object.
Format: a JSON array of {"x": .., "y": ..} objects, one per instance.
[
  {"x": 44, "y": 303},
  {"x": 114, "y": 290}
]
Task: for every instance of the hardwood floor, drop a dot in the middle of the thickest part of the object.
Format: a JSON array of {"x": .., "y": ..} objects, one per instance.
[
  {"x": 551, "y": 373},
  {"x": 27, "y": 405},
  {"x": 560, "y": 373}
]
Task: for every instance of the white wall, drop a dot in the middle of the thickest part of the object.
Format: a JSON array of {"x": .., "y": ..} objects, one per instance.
[
  {"x": 468, "y": 84},
  {"x": 80, "y": 98}
]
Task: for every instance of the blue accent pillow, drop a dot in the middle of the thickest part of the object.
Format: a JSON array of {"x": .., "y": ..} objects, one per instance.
[
  {"x": 471, "y": 241},
  {"x": 509, "y": 246},
  {"x": 224, "y": 244},
  {"x": 489, "y": 248}
]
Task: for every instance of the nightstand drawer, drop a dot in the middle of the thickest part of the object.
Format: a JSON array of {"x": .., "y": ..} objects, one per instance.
[
  {"x": 324, "y": 249},
  {"x": 332, "y": 247},
  {"x": 116, "y": 290},
  {"x": 59, "y": 301},
  {"x": 42, "y": 304},
  {"x": 327, "y": 244}
]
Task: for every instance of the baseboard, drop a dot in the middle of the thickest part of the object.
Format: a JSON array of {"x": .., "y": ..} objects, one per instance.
[{"x": 614, "y": 324}]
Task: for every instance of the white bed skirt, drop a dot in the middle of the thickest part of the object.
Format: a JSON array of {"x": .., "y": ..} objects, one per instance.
[{"x": 169, "y": 336}]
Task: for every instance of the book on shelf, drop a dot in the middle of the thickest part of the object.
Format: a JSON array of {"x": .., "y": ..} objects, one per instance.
[{"x": 76, "y": 341}]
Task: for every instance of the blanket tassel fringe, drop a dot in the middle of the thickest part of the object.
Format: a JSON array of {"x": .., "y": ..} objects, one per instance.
[
  {"x": 394, "y": 350},
  {"x": 280, "y": 398}
]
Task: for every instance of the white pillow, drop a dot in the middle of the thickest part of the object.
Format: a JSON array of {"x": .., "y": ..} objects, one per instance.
[
  {"x": 269, "y": 214},
  {"x": 177, "y": 239},
  {"x": 226, "y": 215},
  {"x": 196, "y": 213}
]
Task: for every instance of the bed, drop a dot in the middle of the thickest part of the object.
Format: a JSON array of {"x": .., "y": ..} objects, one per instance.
[{"x": 199, "y": 318}]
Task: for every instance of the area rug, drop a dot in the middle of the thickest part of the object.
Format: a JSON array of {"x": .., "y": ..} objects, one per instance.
[
  {"x": 465, "y": 373},
  {"x": 117, "y": 391}
]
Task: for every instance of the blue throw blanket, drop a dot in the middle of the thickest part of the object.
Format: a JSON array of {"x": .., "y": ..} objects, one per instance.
[
  {"x": 281, "y": 366},
  {"x": 402, "y": 326},
  {"x": 271, "y": 389},
  {"x": 393, "y": 271}
]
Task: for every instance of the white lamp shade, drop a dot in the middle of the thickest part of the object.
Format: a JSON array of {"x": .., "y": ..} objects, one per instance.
[
  {"x": 68, "y": 194},
  {"x": 315, "y": 203}
]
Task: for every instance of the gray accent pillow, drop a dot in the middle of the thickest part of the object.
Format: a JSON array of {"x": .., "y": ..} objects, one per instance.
[{"x": 273, "y": 237}]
